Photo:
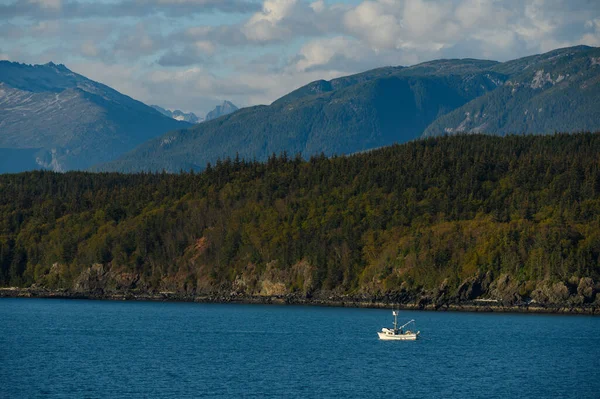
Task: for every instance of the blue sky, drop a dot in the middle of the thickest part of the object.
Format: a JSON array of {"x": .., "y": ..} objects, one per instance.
[{"x": 193, "y": 54}]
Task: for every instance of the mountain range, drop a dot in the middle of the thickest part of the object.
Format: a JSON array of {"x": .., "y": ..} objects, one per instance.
[
  {"x": 189, "y": 117},
  {"x": 53, "y": 118},
  {"x": 558, "y": 90},
  {"x": 225, "y": 108}
]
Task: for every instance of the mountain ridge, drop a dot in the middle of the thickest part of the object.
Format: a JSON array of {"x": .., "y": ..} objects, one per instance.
[
  {"x": 179, "y": 115},
  {"x": 226, "y": 107},
  {"x": 380, "y": 107}
]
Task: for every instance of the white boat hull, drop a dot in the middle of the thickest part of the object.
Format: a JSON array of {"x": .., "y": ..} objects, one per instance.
[{"x": 398, "y": 337}]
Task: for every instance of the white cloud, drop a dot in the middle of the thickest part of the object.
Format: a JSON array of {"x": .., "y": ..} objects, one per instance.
[
  {"x": 264, "y": 25},
  {"x": 426, "y": 19},
  {"x": 204, "y": 46},
  {"x": 270, "y": 23},
  {"x": 375, "y": 22},
  {"x": 89, "y": 49},
  {"x": 341, "y": 50},
  {"x": 138, "y": 39},
  {"x": 592, "y": 38},
  {"x": 47, "y": 28},
  {"x": 274, "y": 11},
  {"x": 318, "y": 6},
  {"x": 54, "y": 4}
]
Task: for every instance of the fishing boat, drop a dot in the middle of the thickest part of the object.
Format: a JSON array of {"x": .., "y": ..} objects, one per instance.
[{"x": 398, "y": 333}]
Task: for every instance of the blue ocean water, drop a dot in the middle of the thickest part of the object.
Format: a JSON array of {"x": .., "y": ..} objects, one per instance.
[{"x": 100, "y": 349}]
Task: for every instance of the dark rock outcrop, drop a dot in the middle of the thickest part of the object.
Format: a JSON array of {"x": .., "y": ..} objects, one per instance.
[{"x": 586, "y": 290}]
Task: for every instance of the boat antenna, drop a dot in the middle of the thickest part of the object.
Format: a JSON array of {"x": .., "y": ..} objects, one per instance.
[{"x": 412, "y": 321}]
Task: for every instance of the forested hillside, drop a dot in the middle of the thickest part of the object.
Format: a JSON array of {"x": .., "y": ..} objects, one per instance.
[{"x": 464, "y": 217}]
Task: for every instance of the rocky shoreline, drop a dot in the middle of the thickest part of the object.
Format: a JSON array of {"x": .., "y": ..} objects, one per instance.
[{"x": 488, "y": 306}]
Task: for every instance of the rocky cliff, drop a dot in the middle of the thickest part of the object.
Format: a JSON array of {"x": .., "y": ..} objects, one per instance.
[{"x": 479, "y": 293}]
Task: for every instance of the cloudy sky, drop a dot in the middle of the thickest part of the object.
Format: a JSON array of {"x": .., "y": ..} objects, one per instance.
[{"x": 192, "y": 54}]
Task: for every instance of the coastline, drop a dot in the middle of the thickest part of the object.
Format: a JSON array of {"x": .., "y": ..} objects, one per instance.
[{"x": 325, "y": 301}]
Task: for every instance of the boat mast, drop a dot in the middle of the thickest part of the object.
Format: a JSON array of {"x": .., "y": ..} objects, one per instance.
[{"x": 395, "y": 313}]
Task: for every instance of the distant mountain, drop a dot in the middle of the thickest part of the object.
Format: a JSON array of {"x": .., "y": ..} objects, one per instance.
[
  {"x": 559, "y": 90},
  {"x": 53, "y": 118},
  {"x": 226, "y": 108},
  {"x": 178, "y": 115}
]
